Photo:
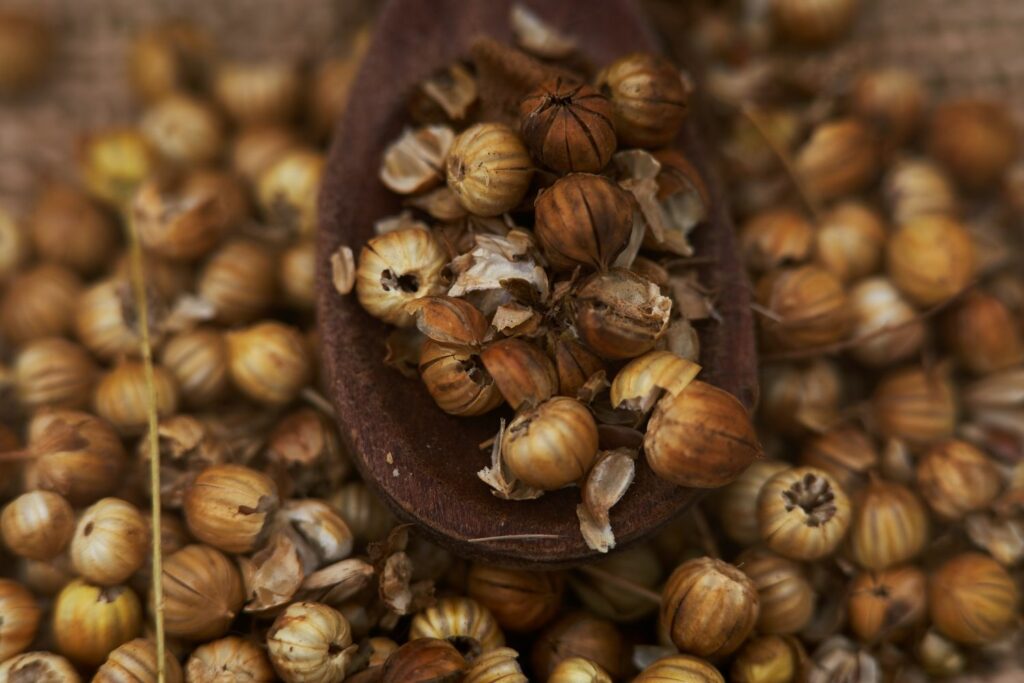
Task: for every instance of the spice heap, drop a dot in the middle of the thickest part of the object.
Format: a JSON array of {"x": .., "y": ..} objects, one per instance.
[
  {"x": 268, "y": 568},
  {"x": 881, "y": 226},
  {"x": 881, "y": 540},
  {"x": 543, "y": 262}
]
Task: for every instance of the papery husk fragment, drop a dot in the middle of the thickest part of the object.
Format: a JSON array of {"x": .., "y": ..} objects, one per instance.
[
  {"x": 605, "y": 486},
  {"x": 403, "y": 220},
  {"x": 403, "y": 347},
  {"x": 502, "y": 482},
  {"x": 453, "y": 90},
  {"x": 343, "y": 270},
  {"x": 337, "y": 582},
  {"x": 272, "y": 576},
  {"x": 415, "y": 161},
  {"x": 538, "y": 37},
  {"x": 499, "y": 270},
  {"x": 449, "y": 321},
  {"x": 640, "y": 384},
  {"x": 441, "y": 203}
]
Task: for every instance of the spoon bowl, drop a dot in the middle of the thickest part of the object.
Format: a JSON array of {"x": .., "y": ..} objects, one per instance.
[{"x": 421, "y": 461}]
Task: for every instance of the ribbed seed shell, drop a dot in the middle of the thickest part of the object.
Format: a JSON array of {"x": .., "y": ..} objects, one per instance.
[
  {"x": 121, "y": 395},
  {"x": 846, "y": 453},
  {"x": 840, "y": 158},
  {"x": 578, "y": 670},
  {"x": 708, "y": 607},
  {"x": 202, "y": 593},
  {"x": 39, "y": 302},
  {"x": 38, "y": 667},
  {"x": 523, "y": 373},
  {"x": 649, "y": 99},
  {"x": 568, "y": 127},
  {"x": 497, "y": 666},
  {"x": 198, "y": 359},
  {"x": 877, "y": 305},
  {"x": 738, "y": 501},
  {"x": 231, "y": 507},
  {"x": 20, "y": 618},
  {"x": 885, "y": 605},
  {"x": 37, "y": 524},
  {"x": 972, "y": 599},
  {"x": 269, "y": 362},
  {"x": 520, "y": 600},
  {"x": 930, "y": 259},
  {"x": 619, "y": 314},
  {"x": 396, "y": 268},
  {"x": 583, "y": 219},
  {"x": 86, "y": 461},
  {"x": 90, "y": 621},
  {"x": 786, "y": 596},
  {"x": 553, "y": 445},
  {"x": 110, "y": 543},
  {"x": 642, "y": 381},
  {"x": 793, "y": 531},
  {"x": 458, "y": 618},
  {"x": 135, "y": 662},
  {"x": 813, "y": 22},
  {"x": 239, "y": 281},
  {"x": 100, "y": 322},
  {"x": 229, "y": 660},
  {"x": 456, "y": 380},
  {"x": 889, "y": 527},
  {"x": 956, "y": 478},
  {"x": 309, "y": 643},
  {"x": 489, "y": 169},
  {"x": 810, "y": 306},
  {"x": 680, "y": 669},
  {"x": 54, "y": 372},
  {"x": 702, "y": 438},
  {"x": 915, "y": 405}
]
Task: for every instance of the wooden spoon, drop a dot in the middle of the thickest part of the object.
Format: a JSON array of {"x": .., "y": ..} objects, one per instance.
[{"x": 420, "y": 460}]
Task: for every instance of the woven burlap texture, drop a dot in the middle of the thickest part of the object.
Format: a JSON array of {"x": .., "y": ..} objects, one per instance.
[
  {"x": 958, "y": 46},
  {"x": 87, "y": 85}
]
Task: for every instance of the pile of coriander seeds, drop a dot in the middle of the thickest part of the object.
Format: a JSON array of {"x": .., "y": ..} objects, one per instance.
[
  {"x": 879, "y": 538},
  {"x": 264, "y": 530},
  {"x": 880, "y": 221},
  {"x": 542, "y": 262}
]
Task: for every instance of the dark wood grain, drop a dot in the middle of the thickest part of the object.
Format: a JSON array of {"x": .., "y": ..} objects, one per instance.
[{"x": 420, "y": 460}]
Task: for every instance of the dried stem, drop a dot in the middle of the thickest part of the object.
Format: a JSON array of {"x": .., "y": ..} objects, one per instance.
[
  {"x": 766, "y": 312},
  {"x": 812, "y": 206},
  {"x": 506, "y": 75},
  {"x": 19, "y": 455},
  {"x": 619, "y": 582},
  {"x": 52, "y": 438},
  {"x": 707, "y": 536},
  {"x": 138, "y": 277},
  {"x": 838, "y": 347},
  {"x": 515, "y": 537},
  {"x": 513, "y": 67},
  {"x": 317, "y": 400},
  {"x": 690, "y": 261}
]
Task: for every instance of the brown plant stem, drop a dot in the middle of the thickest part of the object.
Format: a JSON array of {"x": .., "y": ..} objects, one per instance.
[
  {"x": 513, "y": 67},
  {"x": 811, "y": 204},
  {"x": 317, "y": 400},
  {"x": 619, "y": 582},
  {"x": 138, "y": 278},
  {"x": 505, "y": 75},
  {"x": 838, "y": 347},
  {"x": 515, "y": 537},
  {"x": 19, "y": 455},
  {"x": 707, "y": 536}
]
